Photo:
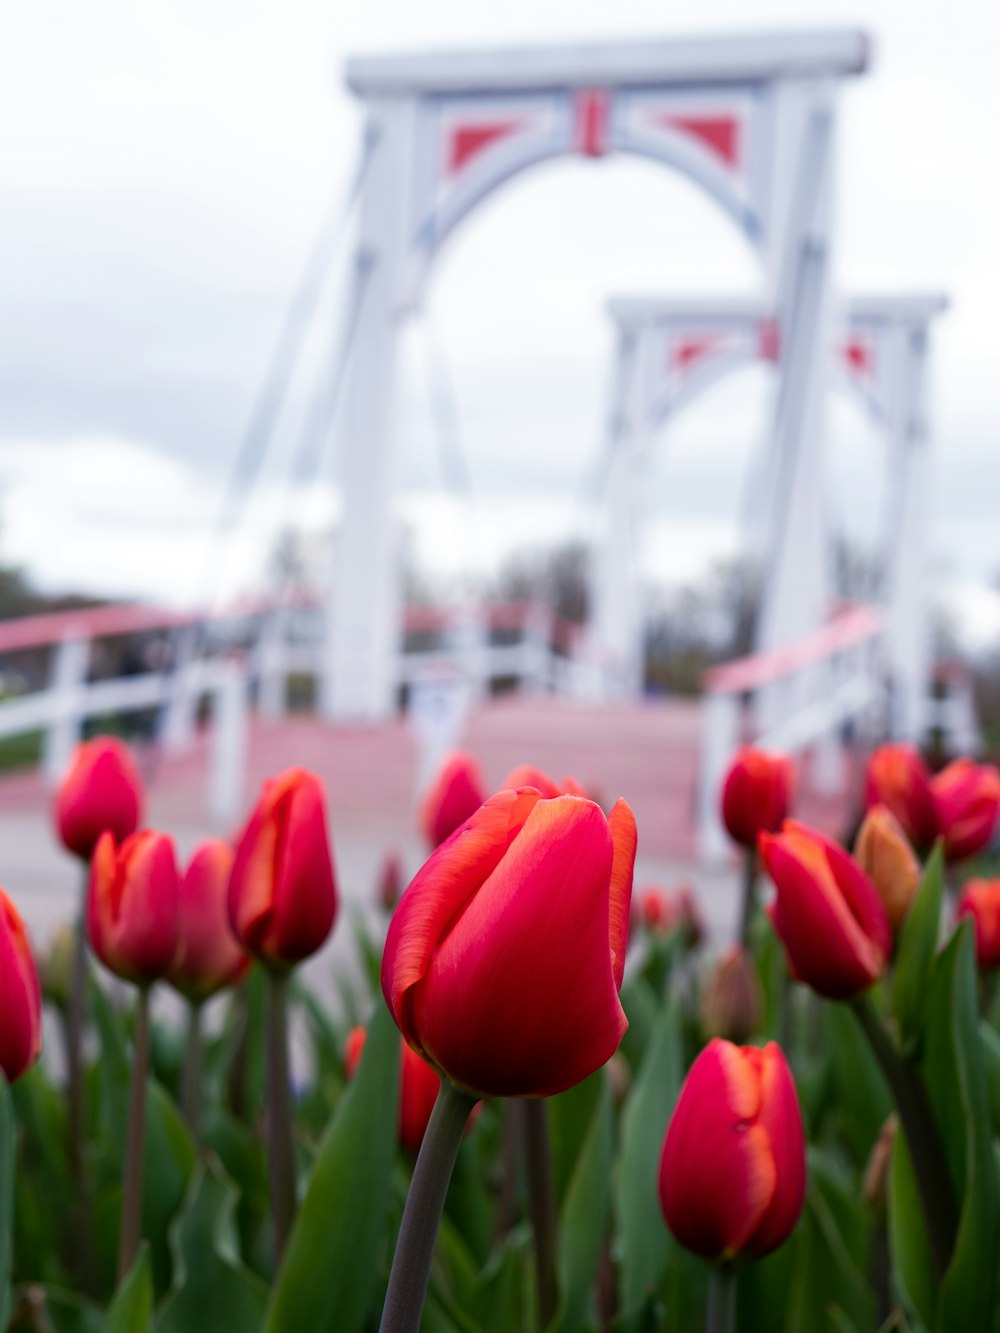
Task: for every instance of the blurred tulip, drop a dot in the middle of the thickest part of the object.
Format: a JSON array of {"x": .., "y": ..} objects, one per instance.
[
  {"x": 526, "y": 775},
  {"x": 20, "y": 996},
  {"x": 390, "y": 882},
  {"x": 980, "y": 899},
  {"x": 456, "y": 793},
  {"x": 733, "y": 1168},
  {"x": 661, "y": 912},
  {"x": 282, "y": 891},
  {"x": 101, "y": 790},
  {"x": 55, "y": 967},
  {"x": 967, "y": 801},
  {"x": 208, "y": 956},
  {"x": 827, "y": 912},
  {"x": 888, "y": 860},
  {"x": 756, "y": 793},
  {"x": 897, "y": 778},
  {"x": 875, "y": 1183},
  {"x": 132, "y": 911},
  {"x": 732, "y": 1003},
  {"x": 504, "y": 959},
  {"x": 418, "y": 1088}
]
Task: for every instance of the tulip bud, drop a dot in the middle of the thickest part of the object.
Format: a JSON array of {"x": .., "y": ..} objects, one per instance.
[
  {"x": 526, "y": 775},
  {"x": 208, "y": 957},
  {"x": 967, "y": 801},
  {"x": 100, "y": 790},
  {"x": 20, "y": 996},
  {"x": 456, "y": 793},
  {"x": 874, "y": 1187},
  {"x": 756, "y": 794},
  {"x": 827, "y": 912},
  {"x": 661, "y": 912},
  {"x": 504, "y": 959},
  {"x": 732, "y": 1003},
  {"x": 418, "y": 1088},
  {"x": 980, "y": 899},
  {"x": 390, "y": 883},
  {"x": 132, "y": 913},
  {"x": 282, "y": 891},
  {"x": 897, "y": 778},
  {"x": 888, "y": 860},
  {"x": 55, "y": 968},
  {"x": 733, "y": 1168}
]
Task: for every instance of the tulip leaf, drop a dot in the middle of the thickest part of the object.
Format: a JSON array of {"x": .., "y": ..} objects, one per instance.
[
  {"x": 132, "y": 1308},
  {"x": 570, "y": 1116},
  {"x": 168, "y": 1163},
  {"x": 989, "y": 1042},
  {"x": 6, "y": 1199},
  {"x": 642, "y": 1234},
  {"x": 859, "y": 1101},
  {"x": 69, "y": 1312},
  {"x": 913, "y": 1268},
  {"x": 328, "y": 1281},
  {"x": 918, "y": 943},
  {"x": 212, "y": 1291}
]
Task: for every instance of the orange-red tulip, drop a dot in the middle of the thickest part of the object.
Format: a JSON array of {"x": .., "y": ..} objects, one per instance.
[
  {"x": 418, "y": 1088},
  {"x": 756, "y": 794},
  {"x": 733, "y": 1168},
  {"x": 886, "y": 857},
  {"x": 282, "y": 891},
  {"x": 504, "y": 959},
  {"x": 101, "y": 790},
  {"x": 980, "y": 899},
  {"x": 897, "y": 778},
  {"x": 132, "y": 912},
  {"x": 208, "y": 955},
  {"x": 456, "y": 792},
  {"x": 20, "y": 996},
  {"x": 661, "y": 912},
  {"x": 827, "y": 912},
  {"x": 967, "y": 801},
  {"x": 526, "y": 775}
]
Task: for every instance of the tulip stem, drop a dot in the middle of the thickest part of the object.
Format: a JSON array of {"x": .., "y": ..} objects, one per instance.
[
  {"x": 191, "y": 1085},
  {"x": 411, "y": 1264},
  {"x": 128, "y": 1240},
  {"x": 930, "y": 1167},
  {"x": 75, "y": 1019},
  {"x": 749, "y": 906},
  {"x": 281, "y": 1147},
  {"x": 541, "y": 1202},
  {"x": 721, "y": 1299}
]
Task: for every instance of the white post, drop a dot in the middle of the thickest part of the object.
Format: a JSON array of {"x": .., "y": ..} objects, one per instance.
[
  {"x": 719, "y": 738},
  {"x": 272, "y": 675},
  {"x": 229, "y": 742},
  {"x": 71, "y": 659},
  {"x": 182, "y": 708}
]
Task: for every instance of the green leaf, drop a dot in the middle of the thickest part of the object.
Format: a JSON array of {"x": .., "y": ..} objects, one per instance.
[
  {"x": 169, "y": 1161},
  {"x": 329, "y": 1277},
  {"x": 212, "y": 1291},
  {"x": 913, "y": 1267},
  {"x": 132, "y": 1307},
  {"x": 859, "y": 1101},
  {"x": 989, "y": 1040},
  {"x": 918, "y": 941},
  {"x": 6, "y": 1199},
  {"x": 643, "y": 1239},
  {"x": 69, "y": 1312},
  {"x": 570, "y": 1116}
]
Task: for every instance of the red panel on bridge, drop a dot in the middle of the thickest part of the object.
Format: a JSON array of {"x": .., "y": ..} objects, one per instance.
[
  {"x": 721, "y": 134},
  {"x": 859, "y": 356},
  {"x": 688, "y": 351},
  {"x": 468, "y": 140},
  {"x": 592, "y": 123}
]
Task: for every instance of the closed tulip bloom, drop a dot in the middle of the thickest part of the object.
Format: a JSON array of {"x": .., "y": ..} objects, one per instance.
[
  {"x": 504, "y": 959},
  {"x": 888, "y": 860},
  {"x": 733, "y": 1167},
  {"x": 756, "y": 793},
  {"x": 20, "y": 996},
  {"x": 898, "y": 778},
  {"x": 980, "y": 899},
  {"x": 132, "y": 915},
  {"x": 456, "y": 792},
  {"x": 526, "y": 775},
  {"x": 208, "y": 955},
  {"x": 418, "y": 1088},
  {"x": 827, "y": 912},
  {"x": 282, "y": 892},
  {"x": 967, "y": 801},
  {"x": 732, "y": 1002},
  {"x": 101, "y": 790}
]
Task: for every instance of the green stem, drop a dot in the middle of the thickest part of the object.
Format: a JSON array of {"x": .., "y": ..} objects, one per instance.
[
  {"x": 191, "y": 1086},
  {"x": 128, "y": 1241},
  {"x": 510, "y": 1152},
  {"x": 75, "y": 1020},
  {"x": 281, "y": 1148},
  {"x": 541, "y": 1202},
  {"x": 236, "y": 1078},
  {"x": 721, "y": 1299},
  {"x": 411, "y": 1264},
  {"x": 930, "y": 1167},
  {"x": 749, "y": 907}
]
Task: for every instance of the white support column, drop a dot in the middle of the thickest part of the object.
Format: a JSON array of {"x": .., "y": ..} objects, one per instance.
[
  {"x": 227, "y": 768},
  {"x": 272, "y": 667},
  {"x": 182, "y": 708},
  {"x": 71, "y": 659},
  {"x": 719, "y": 738}
]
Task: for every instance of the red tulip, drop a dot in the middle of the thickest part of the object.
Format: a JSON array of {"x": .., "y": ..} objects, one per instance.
[
  {"x": 756, "y": 793},
  {"x": 282, "y": 891},
  {"x": 980, "y": 899},
  {"x": 733, "y": 1167},
  {"x": 101, "y": 790},
  {"x": 504, "y": 959},
  {"x": 897, "y": 777},
  {"x": 967, "y": 800},
  {"x": 20, "y": 996},
  {"x": 827, "y": 912},
  {"x": 418, "y": 1088},
  {"x": 661, "y": 912},
  {"x": 132, "y": 905},
  {"x": 208, "y": 957},
  {"x": 456, "y": 793},
  {"x": 526, "y": 775}
]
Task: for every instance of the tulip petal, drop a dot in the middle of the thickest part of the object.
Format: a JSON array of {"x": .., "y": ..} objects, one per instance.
[
  {"x": 251, "y": 905},
  {"x": 305, "y": 891},
  {"x": 623, "y": 834},
  {"x": 439, "y": 893},
  {"x": 520, "y": 998},
  {"x": 20, "y": 996},
  {"x": 781, "y": 1118}
]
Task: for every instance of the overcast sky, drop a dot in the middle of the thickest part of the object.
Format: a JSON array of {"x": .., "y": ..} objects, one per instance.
[{"x": 167, "y": 166}]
